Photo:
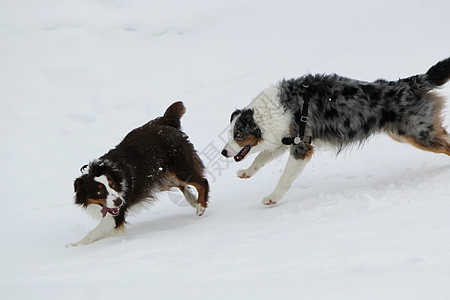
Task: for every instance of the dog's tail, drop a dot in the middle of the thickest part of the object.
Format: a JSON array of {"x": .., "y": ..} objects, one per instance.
[
  {"x": 439, "y": 74},
  {"x": 175, "y": 111},
  {"x": 172, "y": 116}
]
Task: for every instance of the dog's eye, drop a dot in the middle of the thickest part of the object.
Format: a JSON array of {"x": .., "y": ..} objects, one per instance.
[{"x": 239, "y": 136}]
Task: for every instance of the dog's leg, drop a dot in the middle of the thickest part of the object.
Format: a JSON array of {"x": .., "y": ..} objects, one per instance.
[
  {"x": 191, "y": 199},
  {"x": 437, "y": 141},
  {"x": 202, "y": 187},
  {"x": 193, "y": 178},
  {"x": 298, "y": 159},
  {"x": 438, "y": 145},
  {"x": 103, "y": 229},
  {"x": 260, "y": 161}
]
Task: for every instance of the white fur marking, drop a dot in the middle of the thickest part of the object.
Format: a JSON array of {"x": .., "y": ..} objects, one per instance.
[
  {"x": 275, "y": 124},
  {"x": 260, "y": 161},
  {"x": 271, "y": 119},
  {"x": 102, "y": 230},
  {"x": 94, "y": 211},
  {"x": 293, "y": 168},
  {"x": 232, "y": 148},
  {"x": 112, "y": 194}
]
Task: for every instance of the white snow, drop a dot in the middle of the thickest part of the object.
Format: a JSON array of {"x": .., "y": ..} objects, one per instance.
[{"x": 76, "y": 76}]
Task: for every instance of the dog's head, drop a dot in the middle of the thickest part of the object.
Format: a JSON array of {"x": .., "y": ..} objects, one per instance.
[
  {"x": 100, "y": 187},
  {"x": 245, "y": 135}
]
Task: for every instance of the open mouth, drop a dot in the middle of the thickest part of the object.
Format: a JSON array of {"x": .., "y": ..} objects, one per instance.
[
  {"x": 113, "y": 211},
  {"x": 240, "y": 156}
]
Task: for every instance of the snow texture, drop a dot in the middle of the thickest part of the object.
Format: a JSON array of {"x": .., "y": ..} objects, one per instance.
[{"x": 76, "y": 76}]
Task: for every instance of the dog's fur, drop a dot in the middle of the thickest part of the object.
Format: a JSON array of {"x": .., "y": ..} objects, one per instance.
[
  {"x": 151, "y": 158},
  {"x": 342, "y": 112}
]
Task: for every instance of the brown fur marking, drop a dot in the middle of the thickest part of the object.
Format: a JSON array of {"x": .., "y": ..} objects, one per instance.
[
  {"x": 201, "y": 190},
  {"x": 249, "y": 140},
  {"x": 310, "y": 152},
  {"x": 101, "y": 201},
  {"x": 440, "y": 145}
]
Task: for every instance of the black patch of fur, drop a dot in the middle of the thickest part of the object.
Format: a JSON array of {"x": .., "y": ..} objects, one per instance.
[
  {"x": 246, "y": 124},
  {"x": 439, "y": 73}
]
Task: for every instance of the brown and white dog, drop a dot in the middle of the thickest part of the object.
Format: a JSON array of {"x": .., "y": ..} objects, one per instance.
[
  {"x": 339, "y": 112},
  {"x": 152, "y": 158}
]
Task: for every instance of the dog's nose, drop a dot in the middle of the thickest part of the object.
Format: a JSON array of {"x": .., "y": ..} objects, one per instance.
[
  {"x": 224, "y": 153},
  {"x": 118, "y": 202}
]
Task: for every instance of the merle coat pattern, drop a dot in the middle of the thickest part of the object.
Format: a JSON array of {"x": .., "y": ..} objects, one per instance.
[{"x": 341, "y": 112}]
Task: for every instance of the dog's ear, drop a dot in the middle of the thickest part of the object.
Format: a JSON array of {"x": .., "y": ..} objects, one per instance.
[
  {"x": 234, "y": 114},
  {"x": 84, "y": 169},
  {"x": 78, "y": 182},
  {"x": 96, "y": 170},
  {"x": 247, "y": 116}
]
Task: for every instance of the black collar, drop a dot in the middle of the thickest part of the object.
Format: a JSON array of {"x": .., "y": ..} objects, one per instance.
[{"x": 296, "y": 140}]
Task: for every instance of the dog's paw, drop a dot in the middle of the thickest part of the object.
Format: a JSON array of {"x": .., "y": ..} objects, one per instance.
[
  {"x": 72, "y": 245},
  {"x": 245, "y": 173},
  {"x": 200, "y": 210},
  {"x": 269, "y": 201}
]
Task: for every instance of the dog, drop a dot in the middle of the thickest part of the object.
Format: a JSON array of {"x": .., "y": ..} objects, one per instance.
[
  {"x": 305, "y": 113},
  {"x": 152, "y": 158}
]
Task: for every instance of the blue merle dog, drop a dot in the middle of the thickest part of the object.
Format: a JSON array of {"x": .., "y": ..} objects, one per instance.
[{"x": 304, "y": 113}]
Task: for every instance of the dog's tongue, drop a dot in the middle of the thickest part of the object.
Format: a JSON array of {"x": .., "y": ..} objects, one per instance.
[
  {"x": 104, "y": 211},
  {"x": 114, "y": 211}
]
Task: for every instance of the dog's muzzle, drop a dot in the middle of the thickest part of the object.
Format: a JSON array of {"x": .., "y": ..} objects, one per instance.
[
  {"x": 241, "y": 154},
  {"x": 113, "y": 211}
]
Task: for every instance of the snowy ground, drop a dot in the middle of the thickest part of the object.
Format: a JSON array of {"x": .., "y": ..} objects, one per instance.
[{"x": 76, "y": 76}]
